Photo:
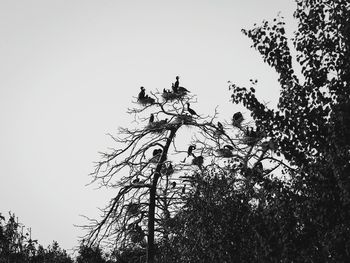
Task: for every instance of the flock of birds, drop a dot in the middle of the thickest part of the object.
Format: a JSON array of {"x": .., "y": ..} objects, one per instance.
[
  {"x": 143, "y": 98},
  {"x": 237, "y": 120},
  {"x": 178, "y": 92}
]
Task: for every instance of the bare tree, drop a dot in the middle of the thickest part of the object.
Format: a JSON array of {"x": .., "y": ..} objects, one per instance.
[{"x": 152, "y": 167}]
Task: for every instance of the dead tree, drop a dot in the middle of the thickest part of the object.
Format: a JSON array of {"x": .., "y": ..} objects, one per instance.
[
  {"x": 143, "y": 168},
  {"x": 152, "y": 169}
]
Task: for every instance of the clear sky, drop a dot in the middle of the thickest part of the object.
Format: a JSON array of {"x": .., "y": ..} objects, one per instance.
[{"x": 69, "y": 69}]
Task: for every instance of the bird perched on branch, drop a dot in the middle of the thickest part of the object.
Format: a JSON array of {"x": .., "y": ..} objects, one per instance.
[
  {"x": 143, "y": 98},
  {"x": 170, "y": 169},
  {"x": 220, "y": 126},
  {"x": 190, "y": 150},
  {"x": 151, "y": 118},
  {"x": 237, "y": 119},
  {"x": 177, "y": 88},
  {"x": 191, "y": 111},
  {"x": 177, "y": 82},
  {"x": 174, "y": 88},
  {"x": 157, "y": 152},
  {"x": 141, "y": 94}
]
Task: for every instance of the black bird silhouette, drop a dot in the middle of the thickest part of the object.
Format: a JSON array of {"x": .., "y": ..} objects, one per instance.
[
  {"x": 175, "y": 90},
  {"x": 163, "y": 122},
  {"x": 191, "y": 111},
  {"x": 237, "y": 118},
  {"x": 151, "y": 118},
  {"x": 157, "y": 152},
  {"x": 169, "y": 169},
  {"x": 177, "y": 82},
  {"x": 220, "y": 126},
  {"x": 190, "y": 150},
  {"x": 238, "y": 115},
  {"x": 141, "y": 94}
]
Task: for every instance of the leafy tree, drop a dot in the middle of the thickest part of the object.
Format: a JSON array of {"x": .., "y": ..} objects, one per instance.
[
  {"x": 52, "y": 254},
  {"x": 17, "y": 245},
  {"x": 90, "y": 255},
  {"x": 129, "y": 255},
  {"x": 215, "y": 225},
  {"x": 310, "y": 128},
  {"x": 55, "y": 254},
  {"x": 231, "y": 210}
]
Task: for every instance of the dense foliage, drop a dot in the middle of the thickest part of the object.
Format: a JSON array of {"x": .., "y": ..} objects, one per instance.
[
  {"x": 17, "y": 246},
  {"x": 311, "y": 129}
]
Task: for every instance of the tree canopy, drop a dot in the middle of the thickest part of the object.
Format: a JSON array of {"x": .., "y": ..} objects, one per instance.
[{"x": 311, "y": 123}]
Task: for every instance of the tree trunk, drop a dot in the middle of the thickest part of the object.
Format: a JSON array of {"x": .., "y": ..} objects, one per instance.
[{"x": 152, "y": 200}]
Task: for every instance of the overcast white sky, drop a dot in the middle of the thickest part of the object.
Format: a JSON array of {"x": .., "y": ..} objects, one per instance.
[{"x": 69, "y": 69}]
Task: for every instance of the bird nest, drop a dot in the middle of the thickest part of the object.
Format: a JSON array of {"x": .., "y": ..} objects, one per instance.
[
  {"x": 167, "y": 169},
  {"x": 218, "y": 133},
  {"x": 157, "y": 126},
  {"x": 133, "y": 209},
  {"x": 173, "y": 96},
  {"x": 198, "y": 161},
  {"x": 136, "y": 234},
  {"x": 146, "y": 100},
  {"x": 184, "y": 119},
  {"x": 225, "y": 153},
  {"x": 160, "y": 126}
]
